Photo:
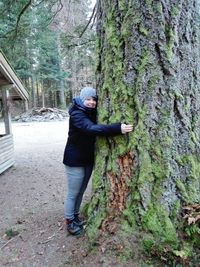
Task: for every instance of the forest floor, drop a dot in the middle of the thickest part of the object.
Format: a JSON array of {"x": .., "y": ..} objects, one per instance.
[{"x": 31, "y": 201}]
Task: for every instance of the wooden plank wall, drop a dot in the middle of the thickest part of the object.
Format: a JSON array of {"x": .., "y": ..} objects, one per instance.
[{"x": 6, "y": 152}]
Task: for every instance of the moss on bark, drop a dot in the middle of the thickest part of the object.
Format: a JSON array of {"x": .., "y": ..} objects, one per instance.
[{"x": 138, "y": 84}]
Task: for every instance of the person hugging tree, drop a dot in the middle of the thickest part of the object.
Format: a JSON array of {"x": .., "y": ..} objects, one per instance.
[{"x": 79, "y": 152}]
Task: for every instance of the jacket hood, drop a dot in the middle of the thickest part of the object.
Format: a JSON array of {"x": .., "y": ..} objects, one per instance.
[{"x": 78, "y": 104}]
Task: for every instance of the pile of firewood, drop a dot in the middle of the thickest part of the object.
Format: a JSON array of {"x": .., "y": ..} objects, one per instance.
[{"x": 42, "y": 114}]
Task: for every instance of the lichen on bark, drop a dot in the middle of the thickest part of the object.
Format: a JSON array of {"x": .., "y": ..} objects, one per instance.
[{"x": 147, "y": 74}]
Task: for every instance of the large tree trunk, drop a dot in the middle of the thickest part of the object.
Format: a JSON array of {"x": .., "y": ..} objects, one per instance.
[{"x": 147, "y": 75}]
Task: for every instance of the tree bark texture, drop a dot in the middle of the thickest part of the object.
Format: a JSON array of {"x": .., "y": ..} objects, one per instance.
[{"x": 147, "y": 75}]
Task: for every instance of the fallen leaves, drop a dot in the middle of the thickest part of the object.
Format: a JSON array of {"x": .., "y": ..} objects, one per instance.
[
  {"x": 109, "y": 225},
  {"x": 192, "y": 213}
]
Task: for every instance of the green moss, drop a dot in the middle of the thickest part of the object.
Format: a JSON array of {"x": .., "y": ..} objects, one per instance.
[
  {"x": 98, "y": 173},
  {"x": 143, "y": 61},
  {"x": 183, "y": 191},
  {"x": 158, "y": 7},
  {"x": 159, "y": 170},
  {"x": 152, "y": 157},
  {"x": 157, "y": 221},
  {"x": 103, "y": 116},
  {"x": 136, "y": 196},
  {"x": 169, "y": 42},
  {"x": 179, "y": 160},
  {"x": 151, "y": 83},
  {"x": 189, "y": 189},
  {"x": 113, "y": 68},
  {"x": 149, "y": 3},
  {"x": 129, "y": 217},
  {"x": 92, "y": 226},
  {"x": 122, "y": 6},
  {"x": 99, "y": 198},
  {"x": 174, "y": 11},
  {"x": 140, "y": 137},
  {"x": 148, "y": 242},
  {"x": 145, "y": 171},
  {"x": 95, "y": 219},
  {"x": 169, "y": 33},
  {"x": 84, "y": 209},
  {"x": 96, "y": 180},
  {"x": 194, "y": 140},
  {"x": 193, "y": 232},
  {"x": 195, "y": 166},
  {"x": 126, "y": 228},
  {"x": 125, "y": 254},
  {"x": 143, "y": 30},
  {"x": 130, "y": 19},
  {"x": 168, "y": 51},
  {"x": 185, "y": 251},
  {"x": 175, "y": 210},
  {"x": 179, "y": 96}
]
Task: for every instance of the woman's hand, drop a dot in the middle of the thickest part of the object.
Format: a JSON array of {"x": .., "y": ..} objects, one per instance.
[{"x": 126, "y": 128}]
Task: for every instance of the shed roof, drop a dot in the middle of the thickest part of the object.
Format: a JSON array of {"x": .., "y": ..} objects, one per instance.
[{"x": 9, "y": 77}]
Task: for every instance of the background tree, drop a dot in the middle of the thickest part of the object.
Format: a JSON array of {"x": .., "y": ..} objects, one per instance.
[
  {"x": 148, "y": 75},
  {"x": 77, "y": 43},
  {"x": 36, "y": 36}
]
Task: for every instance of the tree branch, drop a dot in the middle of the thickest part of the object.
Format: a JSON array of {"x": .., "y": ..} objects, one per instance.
[
  {"x": 15, "y": 30},
  {"x": 75, "y": 44},
  {"x": 93, "y": 15},
  {"x": 21, "y": 13},
  {"x": 59, "y": 8}
]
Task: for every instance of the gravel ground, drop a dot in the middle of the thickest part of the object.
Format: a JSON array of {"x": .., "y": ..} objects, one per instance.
[
  {"x": 31, "y": 206},
  {"x": 31, "y": 200}
]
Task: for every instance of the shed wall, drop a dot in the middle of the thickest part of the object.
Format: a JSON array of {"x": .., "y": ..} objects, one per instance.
[{"x": 6, "y": 152}]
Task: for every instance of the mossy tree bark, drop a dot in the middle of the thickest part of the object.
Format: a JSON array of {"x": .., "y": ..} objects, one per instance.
[{"x": 147, "y": 75}]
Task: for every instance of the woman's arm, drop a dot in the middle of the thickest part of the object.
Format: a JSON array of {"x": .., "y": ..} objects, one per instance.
[{"x": 80, "y": 120}]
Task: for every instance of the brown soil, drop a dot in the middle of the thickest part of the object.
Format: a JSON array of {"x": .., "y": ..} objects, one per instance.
[{"x": 31, "y": 199}]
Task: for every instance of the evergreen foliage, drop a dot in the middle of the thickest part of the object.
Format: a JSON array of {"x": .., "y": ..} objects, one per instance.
[{"x": 45, "y": 56}]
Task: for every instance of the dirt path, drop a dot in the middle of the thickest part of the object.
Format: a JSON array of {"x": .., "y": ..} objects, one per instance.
[{"x": 31, "y": 200}]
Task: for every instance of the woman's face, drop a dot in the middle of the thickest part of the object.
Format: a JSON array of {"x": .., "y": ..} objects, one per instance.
[{"x": 90, "y": 102}]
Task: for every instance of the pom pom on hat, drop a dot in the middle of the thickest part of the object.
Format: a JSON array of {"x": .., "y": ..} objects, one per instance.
[{"x": 87, "y": 92}]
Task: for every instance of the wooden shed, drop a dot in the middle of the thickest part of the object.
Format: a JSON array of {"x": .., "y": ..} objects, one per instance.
[{"x": 11, "y": 89}]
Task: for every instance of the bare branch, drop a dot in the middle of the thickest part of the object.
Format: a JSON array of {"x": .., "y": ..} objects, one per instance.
[
  {"x": 57, "y": 11},
  {"x": 39, "y": 3},
  {"x": 21, "y": 13},
  {"x": 18, "y": 21},
  {"x": 80, "y": 44},
  {"x": 93, "y": 15},
  {"x": 48, "y": 22}
]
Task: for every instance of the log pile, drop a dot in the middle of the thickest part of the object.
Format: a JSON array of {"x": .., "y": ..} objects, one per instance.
[{"x": 42, "y": 114}]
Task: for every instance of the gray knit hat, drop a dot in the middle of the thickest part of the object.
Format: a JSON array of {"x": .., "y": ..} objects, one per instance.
[{"x": 87, "y": 92}]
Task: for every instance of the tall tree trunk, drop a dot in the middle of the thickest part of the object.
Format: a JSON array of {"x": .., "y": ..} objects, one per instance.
[
  {"x": 62, "y": 102},
  {"x": 147, "y": 74},
  {"x": 61, "y": 95},
  {"x": 33, "y": 91},
  {"x": 43, "y": 93},
  {"x": 37, "y": 92}
]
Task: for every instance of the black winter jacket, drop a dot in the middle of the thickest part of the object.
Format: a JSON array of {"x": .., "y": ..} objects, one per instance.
[{"x": 79, "y": 150}]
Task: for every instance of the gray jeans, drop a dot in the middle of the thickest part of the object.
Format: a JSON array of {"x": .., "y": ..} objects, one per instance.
[{"x": 77, "y": 181}]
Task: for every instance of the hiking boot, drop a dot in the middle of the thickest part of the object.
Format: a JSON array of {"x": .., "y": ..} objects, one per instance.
[
  {"x": 79, "y": 221},
  {"x": 72, "y": 227}
]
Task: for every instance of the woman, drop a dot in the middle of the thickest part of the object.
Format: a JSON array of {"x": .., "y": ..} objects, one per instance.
[{"x": 79, "y": 152}]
